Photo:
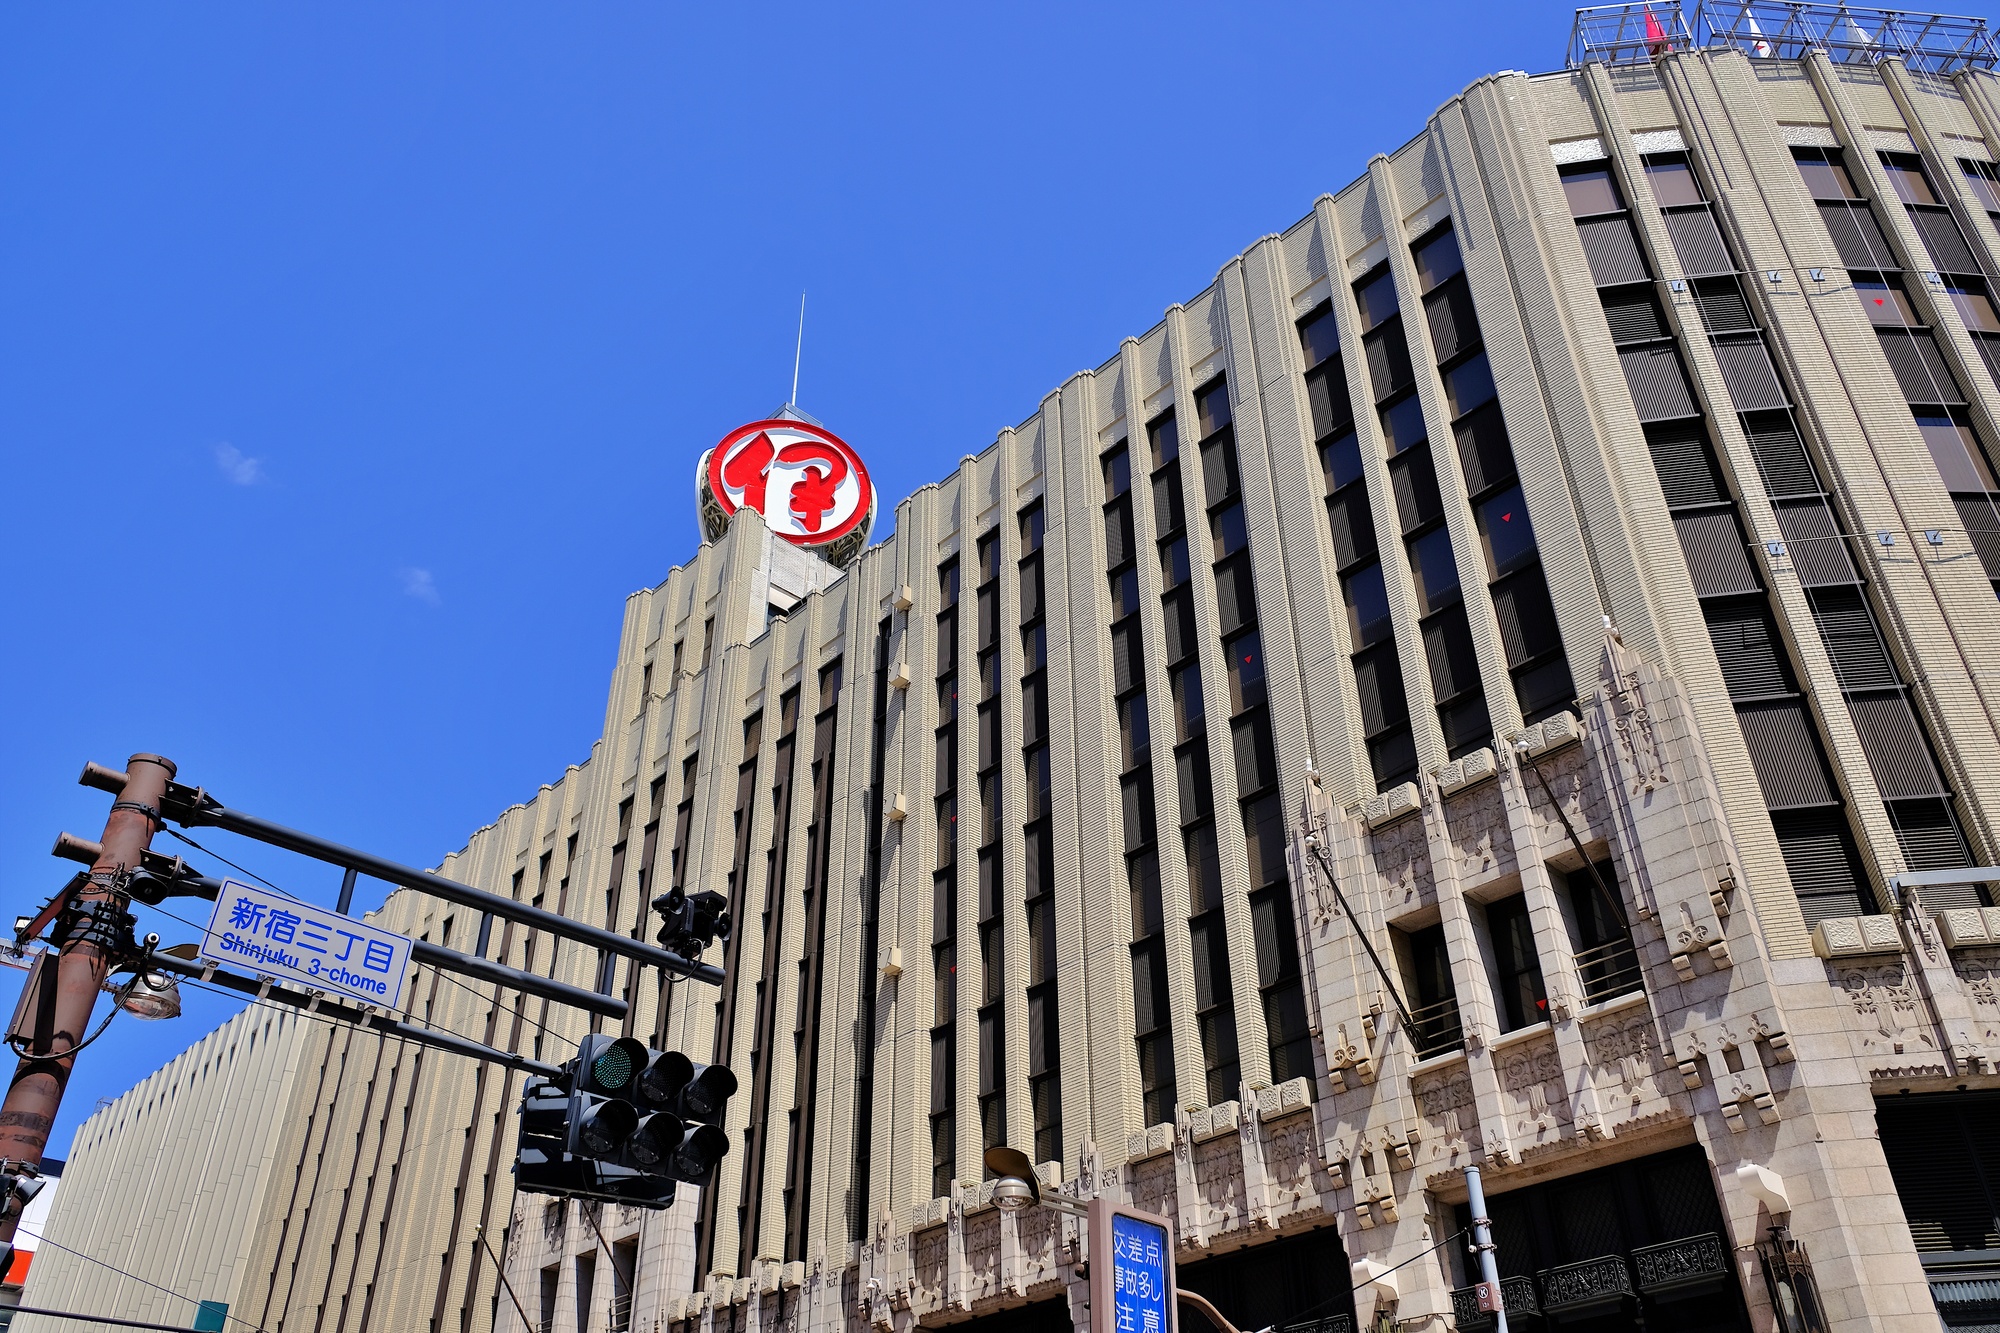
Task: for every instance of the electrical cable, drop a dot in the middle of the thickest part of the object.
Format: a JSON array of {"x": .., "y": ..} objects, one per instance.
[
  {"x": 15, "y": 1046},
  {"x": 105, "y": 1263},
  {"x": 231, "y": 864}
]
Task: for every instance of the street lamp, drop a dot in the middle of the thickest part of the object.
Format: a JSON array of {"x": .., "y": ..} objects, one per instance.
[{"x": 1017, "y": 1189}]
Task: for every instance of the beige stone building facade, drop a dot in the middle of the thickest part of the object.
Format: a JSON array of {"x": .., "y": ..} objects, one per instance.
[
  {"x": 1561, "y": 567},
  {"x": 164, "y": 1187}
]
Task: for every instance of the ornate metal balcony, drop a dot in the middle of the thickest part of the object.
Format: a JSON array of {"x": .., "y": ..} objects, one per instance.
[
  {"x": 1679, "y": 1265},
  {"x": 1594, "y": 1284},
  {"x": 1517, "y": 1294}
]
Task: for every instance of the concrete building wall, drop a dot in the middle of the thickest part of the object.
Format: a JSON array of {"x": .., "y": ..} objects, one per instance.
[
  {"x": 1762, "y": 1025},
  {"x": 166, "y": 1184}
]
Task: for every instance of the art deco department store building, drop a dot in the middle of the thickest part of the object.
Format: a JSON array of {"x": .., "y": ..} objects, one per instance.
[{"x": 1573, "y": 544}]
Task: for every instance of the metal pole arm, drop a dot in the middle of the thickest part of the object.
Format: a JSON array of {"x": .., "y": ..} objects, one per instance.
[
  {"x": 192, "y": 807},
  {"x": 444, "y": 1041},
  {"x": 1207, "y": 1308}
]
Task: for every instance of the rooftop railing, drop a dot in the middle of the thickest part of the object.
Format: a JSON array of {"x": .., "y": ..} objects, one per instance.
[{"x": 1633, "y": 34}]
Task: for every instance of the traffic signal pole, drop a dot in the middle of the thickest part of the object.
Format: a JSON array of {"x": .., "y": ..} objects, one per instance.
[{"x": 93, "y": 922}]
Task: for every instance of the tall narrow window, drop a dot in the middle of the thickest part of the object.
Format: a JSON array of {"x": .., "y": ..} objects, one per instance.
[
  {"x": 859, "y": 1217},
  {"x": 1259, "y": 805},
  {"x": 806, "y": 1024},
  {"x": 725, "y": 1009},
  {"x": 1038, "y": 873},
  {"x": 1912, "y": 348},
  {"x": 1378, "y": 674},
  {"x": 764, "y": 1025},
  {"x": 1516, "y": 967},
  {"x": 1529, "y": 635},
  {"x": 1152, "y": 1016},
  {"x": 1426, "y": 967},
  {"x": 1606, "y": 962},
  {"x": 944, "y": 878}
]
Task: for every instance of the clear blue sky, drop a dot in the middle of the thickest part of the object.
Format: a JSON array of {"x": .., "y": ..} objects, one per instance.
[{"x": 355, "y": 359}]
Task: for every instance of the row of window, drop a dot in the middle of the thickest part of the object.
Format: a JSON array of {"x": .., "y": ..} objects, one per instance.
[
  {"x": 1910, "y": 345},
  {"x": 1513, "y": 571}
]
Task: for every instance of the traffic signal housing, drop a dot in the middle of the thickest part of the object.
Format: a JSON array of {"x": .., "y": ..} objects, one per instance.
[
  {"x": 654, "y": 1112},
  {"x": 543, "y": 1164}
]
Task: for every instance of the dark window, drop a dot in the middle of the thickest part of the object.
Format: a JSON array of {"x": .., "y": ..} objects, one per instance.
[
  {"x": 1523, "y": 998},
  {"x": 1468, "y": 384},
  {"x": 1906, "y": 177},
  {"x": 1505, "y": 533},
  {"x": 1672, "y": 180},
  {"x": 1211, "y": 407},
  {"x": 1117, "y": 468},
  {"x": 1437, "y": 258},
  {"x": 1591, "y": 189},
  {"x": 1367, "y": 606},
  {"x": 1319, "y": 336},
  {"x": 1824, "y": 174},
  {"x": 1403, "y": 424},
  {"x": 1961, "y": 463},
  {"x": 1606, "y": 962},
  {"x": 1433, "y": 1000},
  {"x": 1376, "y": 296},
  {"x": 1984, "y": 178},
  {"x": 1434, "y": 570},
  {"x": 1164, "y": 436},
  {"x": 1884, "y": 301}
]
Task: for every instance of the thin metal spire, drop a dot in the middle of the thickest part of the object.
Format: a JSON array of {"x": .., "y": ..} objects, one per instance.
[{"x": 797, "y": 352}]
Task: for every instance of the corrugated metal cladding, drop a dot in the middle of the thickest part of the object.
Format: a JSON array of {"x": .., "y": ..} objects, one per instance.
[{"x": 1010, "y": 811}]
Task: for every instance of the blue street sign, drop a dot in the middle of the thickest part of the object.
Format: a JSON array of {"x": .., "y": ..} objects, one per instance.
[
  {"x": 1141, "y": 1285},
  {"x": 267, "y": 932}
]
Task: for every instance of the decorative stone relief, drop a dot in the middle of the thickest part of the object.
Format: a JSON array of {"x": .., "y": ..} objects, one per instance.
[
  {"x": 1402, "y": 865},
  {"x": 1979, "y": 973},
  {"x": 1856, "y": 936},
  {"x": 1150, "y": 1185},
  {"x": 1444, "y": 1100},
  {"x": 1531, "y": 1088},
  {"x": 1344, "y": 1053},
  {"x": 1291, "y": 1152},
  {"x": 1728, "y": 1051},
  {"x": 1894, "y": 1026},
  {"x": 982, "y": 1256},
  {"x": 1218, "y": 1174},
  {"x": 1479, "y": 841},
  {"x": 930, "y": 1259}
]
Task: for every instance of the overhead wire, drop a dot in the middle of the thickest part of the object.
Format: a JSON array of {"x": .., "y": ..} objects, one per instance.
[{"x": 106, "y": 1263}]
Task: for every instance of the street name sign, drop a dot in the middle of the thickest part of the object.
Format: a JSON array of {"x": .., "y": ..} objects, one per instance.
[{"x": 294, "y": 941}]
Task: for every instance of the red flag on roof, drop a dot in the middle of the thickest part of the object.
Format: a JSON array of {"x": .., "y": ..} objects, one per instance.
[{"x": 1657, "y": 40}]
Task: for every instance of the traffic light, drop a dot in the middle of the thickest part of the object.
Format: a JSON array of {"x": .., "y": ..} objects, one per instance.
[
  {"x": 543, "y": 1166},
  {"x": 655, "y": 1112}
]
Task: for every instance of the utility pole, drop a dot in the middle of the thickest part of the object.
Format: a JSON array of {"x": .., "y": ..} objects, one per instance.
[{"x": 94, "y": 920}]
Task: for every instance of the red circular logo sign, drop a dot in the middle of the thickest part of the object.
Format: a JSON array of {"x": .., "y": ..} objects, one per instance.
[{"x": 808, "y": 483}]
